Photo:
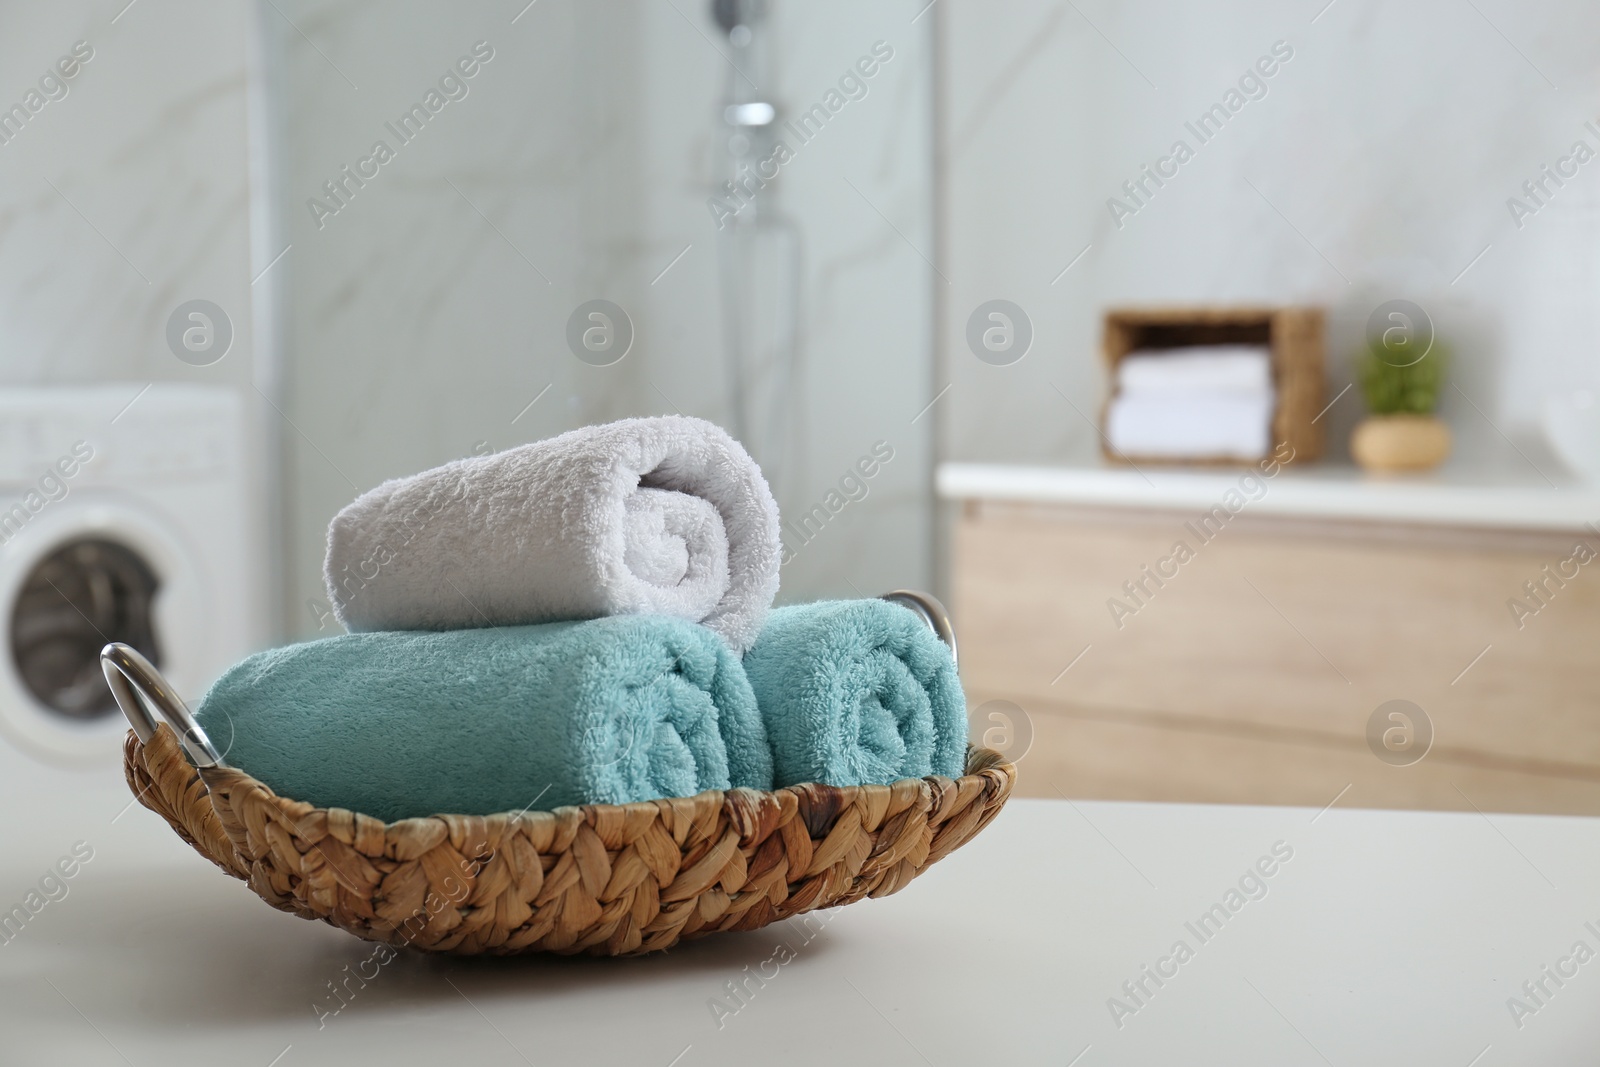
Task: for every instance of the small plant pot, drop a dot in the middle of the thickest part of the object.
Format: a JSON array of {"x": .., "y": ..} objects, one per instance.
[{"x": 1400, "y": 442}]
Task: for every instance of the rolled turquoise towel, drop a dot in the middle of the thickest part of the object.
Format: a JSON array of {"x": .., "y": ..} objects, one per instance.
[
  {"x": 398, "y": 724},
  {"x": 857, "y": 691}
]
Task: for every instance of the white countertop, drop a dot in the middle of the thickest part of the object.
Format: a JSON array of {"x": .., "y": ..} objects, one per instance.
[
  {"x": 1387, "y": 938},
  {"x": 1450, "y": 497}
]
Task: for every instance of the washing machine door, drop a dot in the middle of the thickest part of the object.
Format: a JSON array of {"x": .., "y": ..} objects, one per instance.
[{"x": 84, "y": 571}]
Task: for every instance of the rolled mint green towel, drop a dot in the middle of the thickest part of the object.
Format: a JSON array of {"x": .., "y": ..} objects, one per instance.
[
  {"x": 857, "y": 691},
  {"x": 396, "y": 724}
]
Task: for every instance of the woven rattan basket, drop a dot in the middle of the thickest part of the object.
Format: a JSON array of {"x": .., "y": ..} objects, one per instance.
[{"x": 604, "y": 880}]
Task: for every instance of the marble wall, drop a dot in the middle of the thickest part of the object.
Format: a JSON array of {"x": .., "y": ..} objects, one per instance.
[
  {"x": 1377, "y": 165},
  {"x": 128, "y": 194},
  {"x": 426, "y": 317}
]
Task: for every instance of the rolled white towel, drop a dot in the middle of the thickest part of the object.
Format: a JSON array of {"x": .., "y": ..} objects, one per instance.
[
  {"x": 1242, "y": 368},
  {"x": 666, "y": 516},
  {"x": 1199, "y": 425}
]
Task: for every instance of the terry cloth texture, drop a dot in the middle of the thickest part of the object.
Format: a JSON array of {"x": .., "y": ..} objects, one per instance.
[
  {"x": 665, "y": 516},
  {"x": 473, "y": 722},
  {"x": 857, "y": 691}
]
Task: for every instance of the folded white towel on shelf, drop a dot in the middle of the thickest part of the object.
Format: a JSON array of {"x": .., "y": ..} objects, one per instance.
[
  {"x": 1231, "y": 368},
  {"x": 666, "y": 516},
  {"x": 1191, "y": 425}
]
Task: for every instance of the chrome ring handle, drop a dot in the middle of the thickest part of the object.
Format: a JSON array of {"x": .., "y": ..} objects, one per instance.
[
  {"x": 932, "y": 612},
  {"x": 138, "y": 686}
]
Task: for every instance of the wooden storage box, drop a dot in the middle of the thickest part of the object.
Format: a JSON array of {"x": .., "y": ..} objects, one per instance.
[{"x": 1295, "y": 336}]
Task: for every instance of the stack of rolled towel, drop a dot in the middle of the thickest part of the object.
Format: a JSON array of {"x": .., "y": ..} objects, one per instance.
[
  {"x": 1198, "y": 402},
  {"x": 582, "y": 620}
]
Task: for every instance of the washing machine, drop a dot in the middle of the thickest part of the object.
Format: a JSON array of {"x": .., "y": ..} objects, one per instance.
[{"x": 125, "y": 515}]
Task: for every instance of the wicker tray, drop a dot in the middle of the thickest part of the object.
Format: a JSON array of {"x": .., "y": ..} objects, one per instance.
[{"x": 610, "y": 880}]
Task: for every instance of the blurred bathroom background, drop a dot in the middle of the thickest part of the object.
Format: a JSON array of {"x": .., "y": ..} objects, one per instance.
[{"x": 391, "y": 314}]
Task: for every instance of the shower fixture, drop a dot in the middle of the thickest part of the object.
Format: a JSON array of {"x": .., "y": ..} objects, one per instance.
[{"x": 758, "y": 249}]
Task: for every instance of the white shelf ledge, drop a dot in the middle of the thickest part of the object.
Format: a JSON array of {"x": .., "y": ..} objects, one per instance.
[{"x": 1446, "y": 498}]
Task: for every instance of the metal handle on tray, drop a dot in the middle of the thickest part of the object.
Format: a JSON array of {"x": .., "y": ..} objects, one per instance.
[
  {"x": 932, "y": 612},
  {"x": 138, "y": 686}
]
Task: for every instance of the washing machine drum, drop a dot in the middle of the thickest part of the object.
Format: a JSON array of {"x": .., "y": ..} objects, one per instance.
[
  {"x": 87, "y": 592},
  {"x": 96, "y": 568}
]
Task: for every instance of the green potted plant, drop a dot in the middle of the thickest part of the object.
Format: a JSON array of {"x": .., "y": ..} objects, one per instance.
[{"x": 1402, "y": 384}]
